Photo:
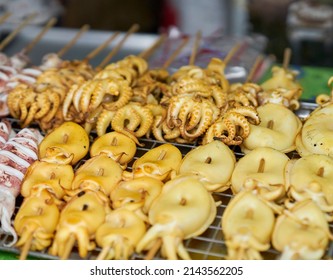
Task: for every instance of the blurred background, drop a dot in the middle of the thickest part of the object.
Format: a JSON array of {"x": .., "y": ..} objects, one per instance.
[{"x": 305, "y": 26}]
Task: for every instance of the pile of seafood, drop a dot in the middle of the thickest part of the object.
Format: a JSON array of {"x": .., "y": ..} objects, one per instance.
[{"x": 84, "y": 186}]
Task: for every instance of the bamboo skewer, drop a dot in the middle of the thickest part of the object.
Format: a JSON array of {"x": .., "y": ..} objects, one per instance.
[
  {"x": 96, "y": 51},
  {"x": 286, "y": 58},
  {"x": 154, "y": 249},
  {"x": 133, "y": 29},
  {"x": 254, "y": 68},
  {"x": 26, "y": 248},
  {"x": 231, "y": 53},
  {"x": 171, "y": 58},
  {"x": 83, "y": 29},
  {"x": 195, "y": 48},
  {"x": 4, "y": 17},
  {"x": 148, "y": 52},
  {"x": 12, "y": 35},
  {"x": 49, "y": 24},
  {"x": 102, "y": 255}
]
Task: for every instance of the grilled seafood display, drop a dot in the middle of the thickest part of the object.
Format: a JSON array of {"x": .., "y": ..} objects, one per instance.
[{"x": 95, "y": 184}]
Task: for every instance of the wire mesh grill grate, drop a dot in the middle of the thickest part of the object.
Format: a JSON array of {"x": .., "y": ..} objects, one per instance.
[{"x": 208, "y": 246}]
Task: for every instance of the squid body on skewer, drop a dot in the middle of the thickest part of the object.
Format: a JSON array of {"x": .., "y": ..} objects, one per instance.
[{"x": 16, "y": 155}]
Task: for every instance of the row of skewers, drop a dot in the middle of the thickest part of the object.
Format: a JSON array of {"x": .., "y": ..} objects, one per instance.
[
  {"x": 128, "y": 96},
  {"x": 288, "y": 97}
]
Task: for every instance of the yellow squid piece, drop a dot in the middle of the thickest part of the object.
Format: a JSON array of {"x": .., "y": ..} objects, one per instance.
[
  {"x": 311, "y": 177},
  {"x": 316, "y": 135},
  {"x": 302, "y": 232},
  {"x": 184, "y": 209},
  {"x": 55, "y": 178},
  {"x": 99, "y": 173},
  {"x": 247, "y": 225},
  {"x": 66, "y": 144},
  {"x": 278, "y": 129},
  {"x": 119, "y": 235},
  {"x": 158, "y": 162},
  {"x": 79, "y": 220},
  {"x": 115, "y": 145},
  {"x": 212, "y": 163},
  {"x": 136, "y": 194},
  {"x": 35, "y": 223},
  {"x": 264, "y": 167}
]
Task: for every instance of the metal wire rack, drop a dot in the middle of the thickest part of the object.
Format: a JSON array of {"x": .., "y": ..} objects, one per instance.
[{"x": 208, "y": 246}]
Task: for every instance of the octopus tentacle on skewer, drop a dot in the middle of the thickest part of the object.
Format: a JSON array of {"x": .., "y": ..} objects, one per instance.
[{"x": 57, "y": 77}]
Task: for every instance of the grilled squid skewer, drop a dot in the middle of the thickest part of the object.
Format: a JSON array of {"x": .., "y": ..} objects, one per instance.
[
  {"x": 79, "y": 220},
  {"x": 15, "y": 157},
  {"x": 36, "y": 222}
]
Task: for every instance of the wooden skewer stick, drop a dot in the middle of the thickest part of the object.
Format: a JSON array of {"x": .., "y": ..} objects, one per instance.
[
  {"x": 96, "y": 51},
  {"x": 102, "y": 255},
  {"x": 83, "y": 29},
  {"x": 69, "y": 246},
  {"x": 17, "y": 30},
  {"x": 148, "y": 52},
  {"x": 195, "y": 48},
  {"x": 50, "y": 23},
  {"x": 286, "y": 58},
  {"x": 175, "y": 53},
  {"x": 320, "y": 172},
  {"x": 26, "y": 247},
  {"x": 153, "y": 250},
  {"x": 231, "y": 53},
  {"x": 254, "y": 68},
  {"x": 261, "y": 166},
  {"x": 133, "y": 29},
  {"x": 4, "y": 17}
]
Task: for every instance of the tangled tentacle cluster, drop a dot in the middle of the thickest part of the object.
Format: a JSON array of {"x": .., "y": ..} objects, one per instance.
[{"x": 42, "y": 101}]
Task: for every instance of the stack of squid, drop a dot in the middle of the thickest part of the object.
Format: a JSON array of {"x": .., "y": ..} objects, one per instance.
[
  {"x": 282, "y": 199},
  {"x": 192, "y": 104},
  {"x": 17, "y": 152},
  {"x": 107, "y": 205}
]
